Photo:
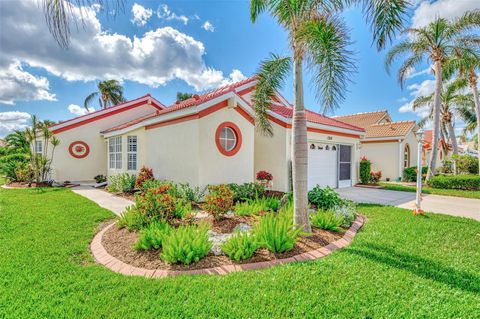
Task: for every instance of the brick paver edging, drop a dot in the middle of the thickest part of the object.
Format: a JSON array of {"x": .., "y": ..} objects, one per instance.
[{"x": 103, "y": 257}]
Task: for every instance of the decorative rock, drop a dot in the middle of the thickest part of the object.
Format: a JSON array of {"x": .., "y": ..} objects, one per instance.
[
  {"x": 217, "y": 240},
  {"x": 229, "y": 214},
  {"x": 243, "y": 227}
]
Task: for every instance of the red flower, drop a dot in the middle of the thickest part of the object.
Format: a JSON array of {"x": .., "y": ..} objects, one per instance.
[{"x": 264, "y": 176}]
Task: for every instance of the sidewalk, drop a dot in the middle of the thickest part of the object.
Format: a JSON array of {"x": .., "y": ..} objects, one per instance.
[{"x": 103, "y": 199}]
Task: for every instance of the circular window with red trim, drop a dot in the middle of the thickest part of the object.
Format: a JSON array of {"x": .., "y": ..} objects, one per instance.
[
  {"x": 79, "y": 149},
  {"x": 228, "y": 138}
]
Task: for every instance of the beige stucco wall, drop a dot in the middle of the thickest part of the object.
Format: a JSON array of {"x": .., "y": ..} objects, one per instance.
[
  {"x": 216, "y": 168},
  {"x": 141, "y": 150},
  {"x": 384, "y": 157},
  {"x": 66, "y": 167}
]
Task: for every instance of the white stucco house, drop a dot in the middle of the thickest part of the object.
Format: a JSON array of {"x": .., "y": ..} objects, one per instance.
[{"x": 208, "y": 139}]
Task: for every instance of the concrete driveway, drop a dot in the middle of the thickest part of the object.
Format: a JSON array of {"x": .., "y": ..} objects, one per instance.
[{"x": 455, "y": 206}]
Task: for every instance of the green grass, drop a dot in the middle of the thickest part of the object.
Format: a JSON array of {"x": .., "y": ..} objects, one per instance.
[
  {"x": 398, "y": 266},
  {"x": 430, "y": 190}
]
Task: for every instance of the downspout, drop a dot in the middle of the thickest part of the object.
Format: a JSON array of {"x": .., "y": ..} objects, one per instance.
[{"x": 400, "y": 160}]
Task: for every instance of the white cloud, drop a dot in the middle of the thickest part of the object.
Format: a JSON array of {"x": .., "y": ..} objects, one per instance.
[
  {"x": 428, "y": 11},
  {"x": 156, "y": 57},
  {"x": 164, "y": 12},
  {"x": 19, "y": 85},
  {"x": 208, "y": 26},
  {"x": 13, "y": 120},
  {"x": 78, "y": 110},
  {"x": 141, "y": 15},
  {"x": 413, "y": 73},
  {"x": 418, "y": 89}
]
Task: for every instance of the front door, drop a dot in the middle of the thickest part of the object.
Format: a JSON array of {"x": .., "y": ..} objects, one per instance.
[{"x": 345, "y": 166}]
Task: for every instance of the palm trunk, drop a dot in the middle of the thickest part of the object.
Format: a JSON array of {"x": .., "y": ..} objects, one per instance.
[
  {"x": 453, "y": 138},
  {"x": 436, "y": 119},
  {"x": 473, "y": 86},
  {"x": 299, "y": 152}
]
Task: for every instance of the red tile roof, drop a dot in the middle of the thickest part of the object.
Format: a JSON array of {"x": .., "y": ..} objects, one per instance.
[
  {"x": 390, "y": 129},
  {"x": 363, "y": 119},
  {"x": 427, "y": 139}
]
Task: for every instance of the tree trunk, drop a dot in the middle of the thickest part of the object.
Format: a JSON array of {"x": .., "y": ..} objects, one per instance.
[
  {"x": 476, "y": 99},
  {"x": 299, "y": 152},
  {"x": 453, "y": 138},
  {"x": 436, "y": 119}
]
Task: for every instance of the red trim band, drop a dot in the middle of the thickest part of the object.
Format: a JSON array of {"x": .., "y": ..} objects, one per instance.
[{"x": 73, "y": 144}]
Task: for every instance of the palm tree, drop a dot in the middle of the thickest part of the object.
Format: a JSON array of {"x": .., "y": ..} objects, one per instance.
[
  {"x": 318, "y": 39},
  {"x": 59, "y": 15},
  {"x": 434, "y": 42},
  {"x": 110, "y": 92},
  {"x": 467, "y": 63},
  {"x": 453, "y": 104},
  {"x": 17, "y": 142},
  {"x": 183, "y": 96}
]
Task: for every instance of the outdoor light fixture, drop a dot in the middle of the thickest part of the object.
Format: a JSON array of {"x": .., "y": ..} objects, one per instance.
[{"x": 418, "y": 202}]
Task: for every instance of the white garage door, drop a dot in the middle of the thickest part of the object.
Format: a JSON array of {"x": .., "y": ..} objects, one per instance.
[{"x": 322, "y": 165}]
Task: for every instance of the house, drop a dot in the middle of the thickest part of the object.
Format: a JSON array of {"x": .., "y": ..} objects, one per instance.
[
  {"x": 390, "y": 146},
  {"x": 444, "y": 149},
  {"x": 207, "y": 139}
]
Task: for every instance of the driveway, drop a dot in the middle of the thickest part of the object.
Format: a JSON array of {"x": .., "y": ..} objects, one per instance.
[{"x": 455, "y": 206}]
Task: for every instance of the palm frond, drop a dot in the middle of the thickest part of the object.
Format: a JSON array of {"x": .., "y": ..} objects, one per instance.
[
  {"x": 257, "y": 7},
  {"x": 326, "y": 42},
  {"x": 467, "y": 22},
  {"x": 422, "y": 101},
  {"x": 270, "y": 78},
  {"x": 407, "y": 66},
  {"x": 89, "y": 99},
  {"x": 402, "y": 48}
]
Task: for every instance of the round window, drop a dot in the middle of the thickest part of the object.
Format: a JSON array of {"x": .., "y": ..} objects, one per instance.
[{"x": 228, "y": 138}]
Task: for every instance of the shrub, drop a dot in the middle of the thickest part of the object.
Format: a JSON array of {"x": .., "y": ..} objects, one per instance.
[
  {"x": 219, "y": 200},
  {"x": 152, "y": 183},
  {"x": 446, "y": 168},
  {"x": 10, "y": 163},
  {"x": 240, "y": 246},
  {"x": 145, "y": 174},
  {"x": 247, "y": 191},
  {"x": 121, "y": 183},
  {"x": 24, "y": 173},
  {"x": 186, "y": 244},
  {"x": 327, "y": 220},
  {"x": 131, "y": 219},
  {"x": 256, "y": 207},
  {"x": 347, "y": 211},
  {"x": 466, "y": 164},
  {"x": 189, "y": 193},
  {"x": 182, "y": 209},
  {"x": 264, "y": 176},
  {"x": 325, "y": 198},
  {"x": 156, "y": 204},
  {"x": 276, "y": 232},
  {"x": 410, "y": 173},
  {"x": 365, "y": 168},
  {"x": 375, "y": 177},
  {"x": 100, "y": 178},
  {"x": 467, "y": 182},
  {"x": 151, "y": 237}
]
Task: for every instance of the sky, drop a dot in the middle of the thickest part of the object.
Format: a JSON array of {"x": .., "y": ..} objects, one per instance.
[{"x": 162, "y": 47}]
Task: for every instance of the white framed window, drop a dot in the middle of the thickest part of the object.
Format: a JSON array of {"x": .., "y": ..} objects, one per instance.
[
  {"x": 115, "y": 152},
  {"x": 132, "y": 153},
  {"x": 228, "y": 139},
  {"x": 39, "y": 147}
]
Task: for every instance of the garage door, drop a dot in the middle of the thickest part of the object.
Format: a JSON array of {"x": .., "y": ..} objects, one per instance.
[{"x": 322, "y": 165}]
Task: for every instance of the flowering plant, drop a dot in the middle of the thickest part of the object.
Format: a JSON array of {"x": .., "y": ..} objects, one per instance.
[
  {"x": 156, "y": 204},
  {"x": 264, "y": 176},
  {"x": 375, "y": 176},
  {"x": 364, "y": 158},
  {"x": 219, "y": 200},
  {"x": 145, "y": 174}
]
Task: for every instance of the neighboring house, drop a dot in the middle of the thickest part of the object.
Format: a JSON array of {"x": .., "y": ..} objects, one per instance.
[
  {"x": 206, "y": 139},
  {"x": 390, "y": 146},
  {"x": 2, "y": 143},
  {"x": 444, "y": 149}
]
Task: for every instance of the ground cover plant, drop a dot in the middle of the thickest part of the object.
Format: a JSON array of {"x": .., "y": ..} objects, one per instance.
[
  {"x": 396, "y": 261},
  {"x": 257, "y": 206},
  {"x": 327, "y": 220},
  {"x": 276, "y": 232},
  {"x": 240, "y": 246}
]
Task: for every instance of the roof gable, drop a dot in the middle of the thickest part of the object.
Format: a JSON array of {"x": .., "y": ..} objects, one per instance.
[
  {"x": 390, "y": 129},
  {"x": 366, "y": 119}
]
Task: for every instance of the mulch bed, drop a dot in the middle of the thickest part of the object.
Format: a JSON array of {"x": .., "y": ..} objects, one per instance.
[
  {"x": 26, "y": 185},
  {"x": 119, "y": 243}
]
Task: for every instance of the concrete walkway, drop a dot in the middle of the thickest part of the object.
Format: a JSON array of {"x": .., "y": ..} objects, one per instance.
[
  {"x": 455, "y": 206},
  {"x": 103, "y": 199}
]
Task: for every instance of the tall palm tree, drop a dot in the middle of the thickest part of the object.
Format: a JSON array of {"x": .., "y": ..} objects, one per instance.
[
  {"x": 110, "y": 92},
  {"x": 59, "y": 15},
  {"x": 318, "y": 39},
  {"x": 434, "y": 42},
  {"x": 453, "y": 104},
  {"x": 467, "y": 64}
]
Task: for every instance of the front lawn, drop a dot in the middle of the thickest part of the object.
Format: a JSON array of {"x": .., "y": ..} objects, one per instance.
[
  {"x": 398, "y": 266},
  {"x": 430, "y": 190}
]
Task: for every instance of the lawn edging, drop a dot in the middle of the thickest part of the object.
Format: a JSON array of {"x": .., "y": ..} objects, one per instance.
[{"x": 102, "y": 257}]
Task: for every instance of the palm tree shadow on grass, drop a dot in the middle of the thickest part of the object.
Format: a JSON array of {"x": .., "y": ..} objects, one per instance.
[{"x": 422, "y": 267}]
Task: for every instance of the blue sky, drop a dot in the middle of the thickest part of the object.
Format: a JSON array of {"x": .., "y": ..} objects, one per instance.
[{"x": 192, "y": 46}]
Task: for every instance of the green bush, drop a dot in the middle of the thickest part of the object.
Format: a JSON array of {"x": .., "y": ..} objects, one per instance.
[
  {"x": 466, "y": 182},
  {"x": 156, "y": 204},
  {"x": 186, "y": 244},
  {"x": 410, "y": 173},
  {"x": 365, "y": 168},
  {"x": 219, "y": 200},
  {"x": 257, "y": 206},
  {"x": 152, "y": 183},
  {"x": 131, "y": 219},
  {"x": 121, "y": 183},
  {"x": 190, "y": 193},
  {"x": 276, "y": 232},
  {"x": 151, "y": 237},
  {"x": 327, "y": 220},
  {"x": 325, "y": 198},
  {"x": 347, "y": 211},
  {"x": 247, "y": 191},
  {"x": 10, "y": 163},
  {"x": 466, "y": 164},
  {"x": 182, "y": 209},
  {"x": 240, "y": 246}
]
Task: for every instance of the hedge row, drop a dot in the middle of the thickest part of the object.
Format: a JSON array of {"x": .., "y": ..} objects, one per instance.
[{"x": 467, "y": 182}]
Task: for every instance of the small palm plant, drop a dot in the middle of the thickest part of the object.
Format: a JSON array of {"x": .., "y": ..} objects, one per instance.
[
  {"x": 434, "y": 43},
  {"x": 318, "y": 40}
]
